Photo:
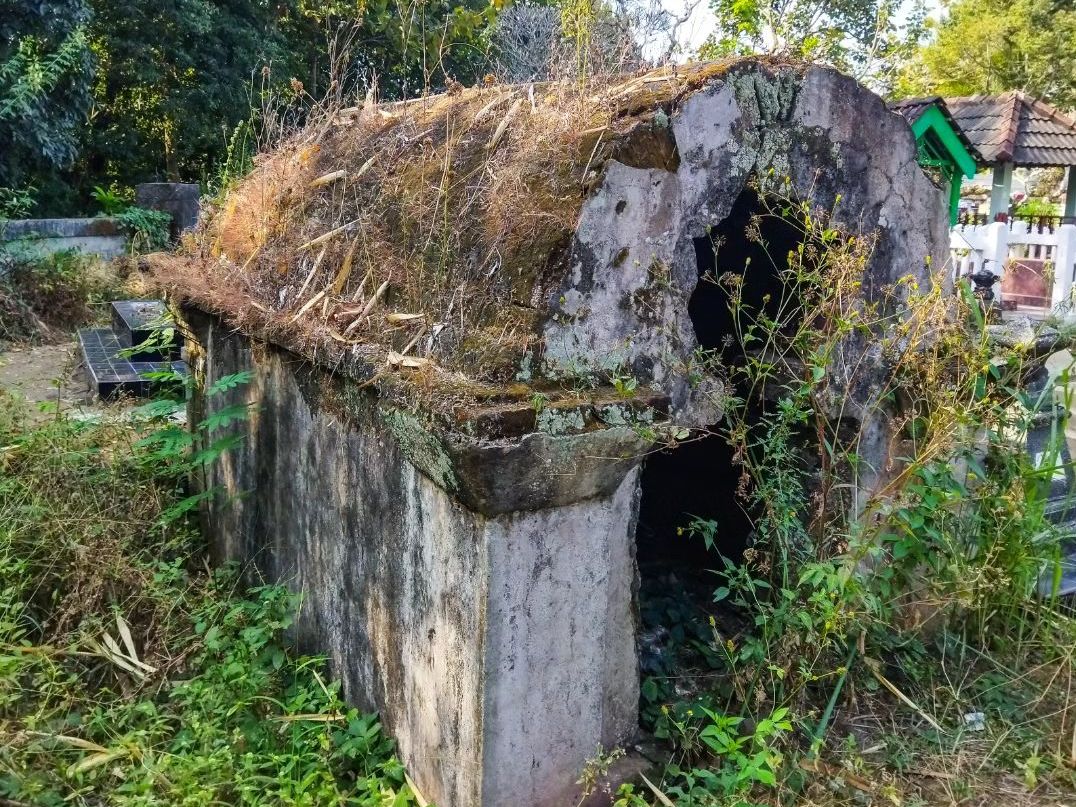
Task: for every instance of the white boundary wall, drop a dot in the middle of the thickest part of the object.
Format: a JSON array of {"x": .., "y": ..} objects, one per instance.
[{"x": 993, "y": 245}]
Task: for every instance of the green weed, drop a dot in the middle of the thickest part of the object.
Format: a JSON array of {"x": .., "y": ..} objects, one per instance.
[{"x": 131, "y": 674}]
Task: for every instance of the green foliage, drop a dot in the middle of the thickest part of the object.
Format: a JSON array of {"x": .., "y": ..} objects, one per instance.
[
  {"x": 45, "y": 76},
  {"x": 990, "y": 46},
  {"x": 185, "y": 90},
  {"x": 863, "y": 37},
  {"x": 1038, "y": 207},
  {"x": 111, "y": 201},
  {"x": 16, "y": 203},
  {"x": 129, "y": 674},
  {"x": 40, "y": 292},
  {"x": 834, "y": 590},
  {"x": 146, "y": 230}
]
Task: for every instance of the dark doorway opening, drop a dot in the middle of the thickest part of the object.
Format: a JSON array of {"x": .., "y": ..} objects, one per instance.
[
  {"x": 753, "y": 242},
  {"x": 699, "y": 478}
]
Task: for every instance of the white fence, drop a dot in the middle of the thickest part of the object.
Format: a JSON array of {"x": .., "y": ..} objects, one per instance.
[{"x": 996, "y": 245}]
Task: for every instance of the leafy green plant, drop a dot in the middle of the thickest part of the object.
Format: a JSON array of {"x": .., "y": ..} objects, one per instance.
[
  {"x": 16, "y": 203},
  {"x": 832, "y": 587},
  {"x": 42, "y": 294},
  {"x": 130, "y": 674},
  {"x": 111, "y": 200},
  {"x": 146, "y": 229}
]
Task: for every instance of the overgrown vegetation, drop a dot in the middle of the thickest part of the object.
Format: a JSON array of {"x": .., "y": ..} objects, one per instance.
[
  {"x": 131, "y": 673},
  {"x": 903, "y": 647},
  {"x": 44, "y": 296}
]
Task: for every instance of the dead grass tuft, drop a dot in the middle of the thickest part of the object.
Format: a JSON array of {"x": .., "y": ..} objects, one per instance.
[{"x": 457, "y": 209}]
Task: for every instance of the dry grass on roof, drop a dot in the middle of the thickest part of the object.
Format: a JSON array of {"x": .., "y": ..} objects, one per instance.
[{"x": 436, "y": 228}]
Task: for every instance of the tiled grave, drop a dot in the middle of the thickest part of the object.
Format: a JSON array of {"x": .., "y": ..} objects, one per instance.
[
  {"x": 111, "y": 373},
  {"x": 135, "y": 321}
]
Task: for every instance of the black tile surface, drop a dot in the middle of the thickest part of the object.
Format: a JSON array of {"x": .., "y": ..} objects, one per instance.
[
  {"x": 135, "y": 321},
  {"x": 111, "y": 373}
]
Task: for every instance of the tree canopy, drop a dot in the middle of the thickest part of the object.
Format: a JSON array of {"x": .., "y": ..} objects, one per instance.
[
  {"x": 861, "y": 37},
  {"x": 45, "y": 73},
  {"x": 990, "y": 46},
  {"x": 115, "y": 92}
]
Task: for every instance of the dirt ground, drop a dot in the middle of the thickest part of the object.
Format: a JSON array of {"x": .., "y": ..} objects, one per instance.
[{"x": 49, "y": 378}]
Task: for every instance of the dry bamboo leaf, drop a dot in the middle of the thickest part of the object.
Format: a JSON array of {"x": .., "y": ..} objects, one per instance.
[
  {"x": 362, "y": 285},
  {"x": 308, "y": 305},
  {"x": 325, "y": 179},
  {"x": 249, "y": 260},
  {"x": 311, "y": 717},
  {"x": 121, "y": 659},
  {"x": 321, "y": 239},
  {"x": 345, "y": 269},
  {"x": 366, "y": 166},
  {"x": 77, "y": 742},
  {"x": 414, "y": 341},
  {"x": 484, "y": 111},
  {"x": 875, "y": 668},
  {"x": 502, "y": 127},
  {"x": 366, "y": 309},
  {"x": 373, "y": 300},
  {"x": 407, "y": 362},
  {"x": 654, "y": 789},
  {"x": 310, "y": 274},
  {"x": 347, "y": 313},
  {"x": 96, "y": 760},
  {"x": 126, "y": 637},
  {"x": 401, "y": 319},
  {"x": 339, "y": 337}
]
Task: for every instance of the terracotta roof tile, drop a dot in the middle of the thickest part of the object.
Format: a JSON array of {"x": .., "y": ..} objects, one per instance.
[{"x": 1014, "y": 126}]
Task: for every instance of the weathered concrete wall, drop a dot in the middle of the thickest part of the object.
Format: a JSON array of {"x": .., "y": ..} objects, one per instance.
[
  {"x": 499, "y": 649},
  {"x": 478, "y": 589},
  {"x": 625, "y": 305},
  {"x": 98, "y": 236}
]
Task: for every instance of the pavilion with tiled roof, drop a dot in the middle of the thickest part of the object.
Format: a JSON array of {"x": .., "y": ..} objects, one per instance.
[{"x": 1016, "y": 130}]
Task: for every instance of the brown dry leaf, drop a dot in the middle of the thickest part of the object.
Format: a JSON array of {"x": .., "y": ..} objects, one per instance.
[
  {"x": 345, "y": 269},
  {"x": 96, "y": 760},
  {"x": 326, "y": 179},
  {"x": 400, "y": 319},
  {"x": 654, "y": 789},
  {"x": 321, "y": 239},
  {"x": 407, "y": 362}
]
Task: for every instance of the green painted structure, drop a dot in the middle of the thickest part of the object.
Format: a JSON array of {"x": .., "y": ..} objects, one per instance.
[{"x": 943, "y": 146}]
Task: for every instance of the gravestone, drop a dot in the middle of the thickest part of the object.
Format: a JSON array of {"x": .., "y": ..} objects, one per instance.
[{"x": 180, "y": 199}]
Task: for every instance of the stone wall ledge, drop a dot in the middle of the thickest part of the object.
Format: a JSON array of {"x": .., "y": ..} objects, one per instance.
[
  {"x": 34, "y": 229},
  {"x": 520, "y": 469}
]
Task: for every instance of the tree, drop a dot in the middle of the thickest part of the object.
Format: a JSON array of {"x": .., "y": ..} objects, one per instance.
[
  {"x": 177, "y": 76},
  {"x": 861, "y": 37},
  {"x": 45, "y": 72},
  {"x": 990, "y": 46}
]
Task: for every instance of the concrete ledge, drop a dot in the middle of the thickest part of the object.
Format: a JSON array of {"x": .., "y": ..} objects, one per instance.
[{"x": 99, "y": 236}]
